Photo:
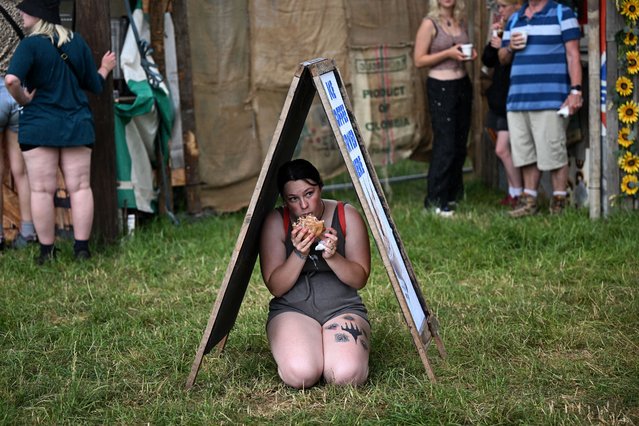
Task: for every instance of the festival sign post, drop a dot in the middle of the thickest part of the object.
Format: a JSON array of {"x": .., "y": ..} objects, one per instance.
[{"x": 320, "y": 76}]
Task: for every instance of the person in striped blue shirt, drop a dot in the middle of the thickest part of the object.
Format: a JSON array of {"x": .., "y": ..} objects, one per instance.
[{"x": 541, "y": 41}]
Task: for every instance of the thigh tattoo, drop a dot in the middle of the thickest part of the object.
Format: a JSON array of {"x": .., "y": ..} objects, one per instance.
[{"x": 350, "y": 330}]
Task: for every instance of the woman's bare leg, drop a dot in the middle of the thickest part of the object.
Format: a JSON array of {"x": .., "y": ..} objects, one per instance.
[
  {"x": 296, "y": 343},
  {"x": 346, "y": 349},
  {"x": 502, "y": 149},
  {"x": 76, "y": 168},
  {"x": 42, "y": 167}
]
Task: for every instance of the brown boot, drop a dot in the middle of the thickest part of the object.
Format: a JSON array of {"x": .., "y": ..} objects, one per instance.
[
  {"x": 527, "y": 206},
  {"x": 557, "y": 204}
]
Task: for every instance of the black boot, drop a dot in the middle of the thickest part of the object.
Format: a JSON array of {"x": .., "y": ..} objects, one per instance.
[{"x": 48, "y": 253}]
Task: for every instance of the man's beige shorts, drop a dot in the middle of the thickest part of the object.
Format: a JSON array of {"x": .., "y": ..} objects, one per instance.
[{"x": 538, "y": 137}]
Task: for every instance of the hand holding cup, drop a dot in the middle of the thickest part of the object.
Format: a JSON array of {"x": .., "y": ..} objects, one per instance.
[
  {"x": 519, "y": 39},
  {"x": 467, "y": 50}
]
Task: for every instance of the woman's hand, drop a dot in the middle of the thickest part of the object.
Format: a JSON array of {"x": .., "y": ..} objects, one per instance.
[
  {"x": 19, "y": 93},
  {"x": 495, "y": 39},
  {"x": 330, "y": 243},
  {"x": 27, "y": 96},
  {"x": 455, "y": 52},
  {"x": 495, "y": 42},
  {"x": 302, "y": 239}
]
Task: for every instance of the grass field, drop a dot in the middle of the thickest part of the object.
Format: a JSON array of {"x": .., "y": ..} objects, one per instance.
[{"x": 540, "y": 318}]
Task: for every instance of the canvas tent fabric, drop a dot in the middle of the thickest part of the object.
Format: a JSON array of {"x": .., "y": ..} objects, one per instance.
[
  {"x": 244, "y": 56},
  {"x": 140, "y": 125},
  {"x": 384, "y": 100}
]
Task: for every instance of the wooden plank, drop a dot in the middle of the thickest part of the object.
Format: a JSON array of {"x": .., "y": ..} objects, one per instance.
[
  {"x": 156, "y": 23},
  {"x": 486, "y": 164},
  {"x": 157, "y": 9},
  {"x": 178, "y": 177},
  {"x": 187, "y": 108},
  {"x": 594, "y": 108},
  {"x": 93, "y": 22},
  {"x": 224, "y": 313}
]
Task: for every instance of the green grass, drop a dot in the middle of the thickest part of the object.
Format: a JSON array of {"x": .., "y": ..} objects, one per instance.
[{"x": 540, "y": 318}]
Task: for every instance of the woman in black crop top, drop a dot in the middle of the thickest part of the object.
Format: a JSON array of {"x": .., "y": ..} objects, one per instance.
[
  {"x": 449, "y": 91},
  {"x": 496, "y": 96},
  {"x": 317, "y": 324}
]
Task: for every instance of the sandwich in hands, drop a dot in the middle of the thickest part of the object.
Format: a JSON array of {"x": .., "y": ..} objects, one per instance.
[{"x": 311, "y": 223}]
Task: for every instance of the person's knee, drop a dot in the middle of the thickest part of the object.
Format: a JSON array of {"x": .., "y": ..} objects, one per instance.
[
  {"x": 344, "y": 373},
  {"x": 18, "y": 170},
  {"x": 42, "y": 188},
  {"x": 300, "y": 375},
  {"x": 502, "y": 151},
  {"x": 79, "y": 184}
]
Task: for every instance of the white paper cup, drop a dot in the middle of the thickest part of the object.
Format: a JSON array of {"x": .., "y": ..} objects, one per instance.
[
  {"x": 467, "y": 50},
  {"x": 524, "y": 36}
]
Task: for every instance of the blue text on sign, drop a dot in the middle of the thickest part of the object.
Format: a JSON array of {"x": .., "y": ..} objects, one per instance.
[
  {"x": 331, "y": 90},
  {"x": 341, "y": 115},
  {"x": 350, "y": 140},
  {"x": 359, "y": 167}
]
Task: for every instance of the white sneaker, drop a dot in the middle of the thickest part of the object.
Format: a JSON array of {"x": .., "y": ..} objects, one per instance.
[{"x": 444, "y": 212}]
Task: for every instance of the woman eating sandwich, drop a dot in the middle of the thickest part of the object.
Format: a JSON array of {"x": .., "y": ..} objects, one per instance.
[{"x": 314, "y": 257}]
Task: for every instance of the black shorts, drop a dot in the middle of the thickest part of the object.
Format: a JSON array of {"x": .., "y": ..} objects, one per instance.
[
  {"x": 26, "y": 147},
  {"x": 496, "y": 122}
]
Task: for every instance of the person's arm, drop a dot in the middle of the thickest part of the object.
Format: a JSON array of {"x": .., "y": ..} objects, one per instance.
[
  {"x": 490, "y": 56},
  {"x": 573, "y": 59},
  {"x": 505, "y": 55},
  {"x": 15, "y": 89},
  {"x": 354, "y": 268},
  {"x": 423, "y": 40},
  {"x": 278, "y": 271}
]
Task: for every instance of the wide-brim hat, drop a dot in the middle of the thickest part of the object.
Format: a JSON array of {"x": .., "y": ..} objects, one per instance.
[{"x": 47, "y": 10}]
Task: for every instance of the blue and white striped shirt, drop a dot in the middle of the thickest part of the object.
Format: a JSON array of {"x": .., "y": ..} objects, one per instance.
[{"x": 539, "y": 77}]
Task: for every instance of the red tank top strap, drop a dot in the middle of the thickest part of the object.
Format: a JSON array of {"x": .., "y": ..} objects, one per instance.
[{"x": 341, "y": 216}]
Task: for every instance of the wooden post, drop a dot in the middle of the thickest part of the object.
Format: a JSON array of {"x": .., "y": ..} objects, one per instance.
[
  {"x": 481, "y": 149},
  {"x": 156, "y": 15},
  {"x": 486, "y": 162},
  {"x": 93, "y": 22},
  {"x": 187, "y": 107},
  {"x": 594, "y": 109}
]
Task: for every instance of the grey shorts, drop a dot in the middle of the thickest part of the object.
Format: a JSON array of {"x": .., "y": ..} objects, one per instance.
[
  {"x": 538, "y": 137},
  {"x": 9, "y": 109}
]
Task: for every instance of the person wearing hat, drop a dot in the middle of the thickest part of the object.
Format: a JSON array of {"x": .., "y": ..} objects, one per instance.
[
  {"x": 10, "y": 34},
  {"x": 49, "y": 71}
]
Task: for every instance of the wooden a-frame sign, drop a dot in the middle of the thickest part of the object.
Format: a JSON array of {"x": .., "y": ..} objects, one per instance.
[{"x": 322, "y": 77}]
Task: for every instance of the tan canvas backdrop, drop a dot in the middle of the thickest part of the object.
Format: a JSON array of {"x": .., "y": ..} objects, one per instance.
[
  {"x": 230, "y": 158},
  {"x": 384, "y": 101},
  {"x": 244, "y": 55}
]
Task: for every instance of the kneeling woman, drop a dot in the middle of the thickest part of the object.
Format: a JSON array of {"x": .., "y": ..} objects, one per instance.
[{"x": 317, "y": 324}]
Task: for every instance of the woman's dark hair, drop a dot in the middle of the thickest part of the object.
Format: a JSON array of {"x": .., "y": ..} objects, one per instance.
[{"x": 299, "y": 169}]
